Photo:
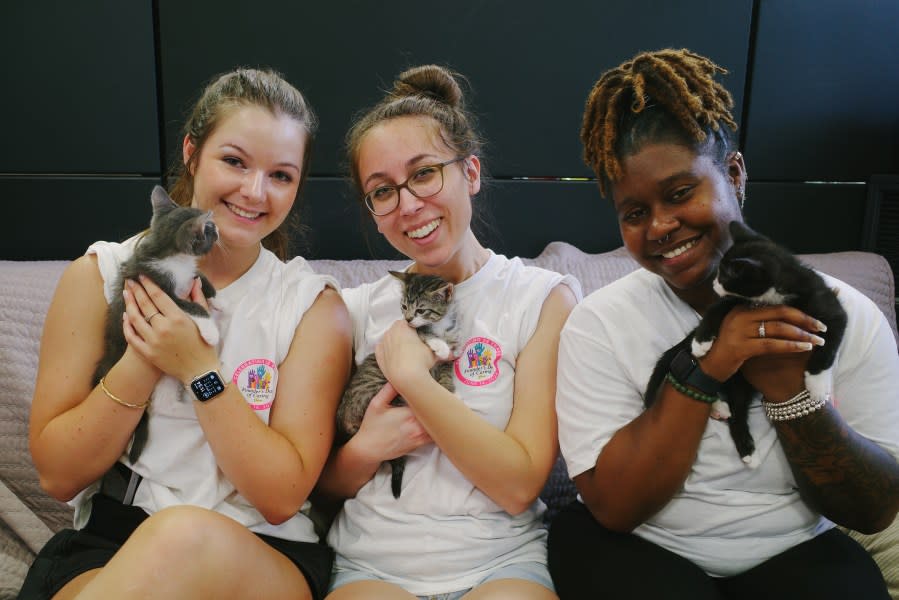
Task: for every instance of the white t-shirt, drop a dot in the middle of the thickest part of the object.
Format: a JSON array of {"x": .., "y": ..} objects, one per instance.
[
  {"x": 443, "y": 534},
  {"x": 260, "y": 312},
  {"x": 728, "y": 517}
]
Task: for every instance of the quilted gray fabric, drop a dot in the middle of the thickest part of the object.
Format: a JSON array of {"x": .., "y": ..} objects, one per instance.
[{"x": 28, "y": 515}]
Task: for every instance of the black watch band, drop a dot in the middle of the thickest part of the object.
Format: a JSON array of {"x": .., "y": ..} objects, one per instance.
[
  {"x": 685, "y": 369},
  {"x": 207, "y": 386}
]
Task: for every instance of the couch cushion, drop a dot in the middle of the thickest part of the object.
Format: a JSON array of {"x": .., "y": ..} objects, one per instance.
[{"x": 25, "y": 292}]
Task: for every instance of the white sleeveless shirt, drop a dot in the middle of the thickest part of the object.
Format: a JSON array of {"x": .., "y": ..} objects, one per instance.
[
  {"x": 260, "y": 312},
  {"x": 443, "y": 534}
]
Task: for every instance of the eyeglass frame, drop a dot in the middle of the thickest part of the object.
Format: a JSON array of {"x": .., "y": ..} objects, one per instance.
[{"x": 366, "y": 199}]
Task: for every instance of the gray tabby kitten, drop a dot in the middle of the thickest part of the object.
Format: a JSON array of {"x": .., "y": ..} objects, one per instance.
[
  {"x": 427, "y": 306},
  {"x": 167, "y": 254}
]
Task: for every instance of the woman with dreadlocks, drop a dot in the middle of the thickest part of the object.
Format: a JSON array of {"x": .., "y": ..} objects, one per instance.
[{"x": 667, "y": 509}]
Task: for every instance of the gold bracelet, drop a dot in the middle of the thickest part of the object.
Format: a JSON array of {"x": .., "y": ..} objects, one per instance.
[{"x": 117, "y": 399}]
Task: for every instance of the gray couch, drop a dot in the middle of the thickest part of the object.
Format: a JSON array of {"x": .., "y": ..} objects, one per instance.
[{"x": 28, "y": 517}]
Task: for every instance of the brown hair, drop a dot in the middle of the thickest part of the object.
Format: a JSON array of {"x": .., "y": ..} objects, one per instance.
[
  {"x": 429, "y": 91},
  {"x": 663, "y": 96},
  {"x": 239, "y": 88}
]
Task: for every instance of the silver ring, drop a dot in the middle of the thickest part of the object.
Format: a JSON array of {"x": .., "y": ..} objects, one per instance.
[
  {"x": 762, "y": 329},
  {"x": 148, "y": 319}
]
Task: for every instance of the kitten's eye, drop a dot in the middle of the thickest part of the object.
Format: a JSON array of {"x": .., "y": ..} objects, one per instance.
[
  {"x": 404, "y": 306},
  {"x": 419, "y": 311}
]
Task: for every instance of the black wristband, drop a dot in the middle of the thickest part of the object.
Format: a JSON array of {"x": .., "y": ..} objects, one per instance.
[{"x": 686, "y": 370}]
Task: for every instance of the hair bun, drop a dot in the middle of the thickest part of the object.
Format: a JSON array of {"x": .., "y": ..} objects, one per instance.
[{"x": 433, "y": 81}]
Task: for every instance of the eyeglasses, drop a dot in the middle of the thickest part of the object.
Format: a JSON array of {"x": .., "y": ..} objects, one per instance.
[{"x": 424, "y": 182}]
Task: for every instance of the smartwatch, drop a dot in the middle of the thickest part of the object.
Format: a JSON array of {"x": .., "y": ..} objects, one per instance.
[
  {"x": 685, "y": 368},
  {"x": 207, "y": 386}
]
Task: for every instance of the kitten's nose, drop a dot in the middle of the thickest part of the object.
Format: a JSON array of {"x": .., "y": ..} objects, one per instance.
[{"x": 210, "y": 231}]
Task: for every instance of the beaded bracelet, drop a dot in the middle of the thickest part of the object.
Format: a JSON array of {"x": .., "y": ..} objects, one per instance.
[
  {"x": 689, "y": 391},
  {"x": 799, "y": 405},
  {"x": 117, "y": 399}
]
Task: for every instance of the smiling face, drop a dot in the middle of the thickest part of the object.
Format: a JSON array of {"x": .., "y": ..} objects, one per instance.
[
  {"x": 248, "y": 173},
  {"x": 673, "y": 209},
  {"x": 435, "y": 231}
]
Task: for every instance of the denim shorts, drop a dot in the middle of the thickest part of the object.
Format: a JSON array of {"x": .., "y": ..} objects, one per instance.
[{"x": 529, "y": 571}]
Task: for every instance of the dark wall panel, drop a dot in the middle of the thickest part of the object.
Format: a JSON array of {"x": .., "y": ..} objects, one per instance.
[
  {"x": 808, "y": 217},
  {"x": 824, "y": 101},
  {"x": 517, "y": 218},
  {"x": 80, "y": 87},
  {"x": 530, "y": 65},
  {"x": 59, "y": 217}
]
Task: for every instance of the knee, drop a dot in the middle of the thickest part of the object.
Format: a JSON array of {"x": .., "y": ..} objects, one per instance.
[{"x": 184, "y": 533}]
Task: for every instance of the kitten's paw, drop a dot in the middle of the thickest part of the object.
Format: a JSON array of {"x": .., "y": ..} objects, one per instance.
[
  {"x": 440, "y": 348},
  {"x": 720, "y": 410},
  {"x": 208, "y": 330},
  {"x": 819, "y": 385},
  {"x": 700, "y": 349},
  {"x": 214, "y": 305},
  {"x": 752, "y": 461}
]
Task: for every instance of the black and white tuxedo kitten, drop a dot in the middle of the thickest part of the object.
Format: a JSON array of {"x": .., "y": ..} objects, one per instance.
[
  {"x": 427, "y": 305},
  {"x": 757, "y": 271},
  {"x": 167, "y": 254}
]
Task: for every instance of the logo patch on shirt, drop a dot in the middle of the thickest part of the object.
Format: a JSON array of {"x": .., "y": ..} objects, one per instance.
[
  {"x": 257, "y": 380},
  {"x": 479, "y": 362}
]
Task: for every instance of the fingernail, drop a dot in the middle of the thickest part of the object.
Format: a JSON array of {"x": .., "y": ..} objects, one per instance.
[
  {"x": 129, "y": 283},
  {"x": 124, "y": 293},
  {"x": 805, "y": 345},
  {"x": 817, "y": 340},
  {"x": 821, "y": 327}
]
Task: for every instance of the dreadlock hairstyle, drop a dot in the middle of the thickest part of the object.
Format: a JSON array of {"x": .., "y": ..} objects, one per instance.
[
  {"x": 667, "y": 96},
  {"x": 236, "y": 89}
]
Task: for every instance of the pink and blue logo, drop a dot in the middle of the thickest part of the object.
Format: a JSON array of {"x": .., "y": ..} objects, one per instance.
[
  {"x": 257, "y": 380},
  {"x": 479, "y": 362}
]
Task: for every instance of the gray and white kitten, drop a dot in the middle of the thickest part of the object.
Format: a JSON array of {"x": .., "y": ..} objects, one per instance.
[
  {"x": 428, "y": 307},
  {"x": 167, "y": 254}
]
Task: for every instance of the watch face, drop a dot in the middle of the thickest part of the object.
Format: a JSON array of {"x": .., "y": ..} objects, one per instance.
[
  {"x": 207, "y": 386},
  {"x": 683, "y": 364}
]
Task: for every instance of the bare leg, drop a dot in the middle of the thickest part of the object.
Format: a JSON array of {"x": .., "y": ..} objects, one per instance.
[
  {"x": 370, "y": 590},
  {"x": 190, "y": 552},
  {"x": 510, "y": 589},
  {"x": 74, "y": 587}
]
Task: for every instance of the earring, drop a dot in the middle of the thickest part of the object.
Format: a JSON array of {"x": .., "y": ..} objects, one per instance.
[{"x": 741, "y": 196}]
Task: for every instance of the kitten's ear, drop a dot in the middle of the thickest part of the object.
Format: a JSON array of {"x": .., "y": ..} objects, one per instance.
[
  {"x": 401, "y": 275},
  {"x": 161, "y": 200},
  {"x": 740, "y": 232},
  {"x": 445, "y": 291}
]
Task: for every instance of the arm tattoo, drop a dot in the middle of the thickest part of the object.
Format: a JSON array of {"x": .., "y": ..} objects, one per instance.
[{"x": 844, "y": 476}]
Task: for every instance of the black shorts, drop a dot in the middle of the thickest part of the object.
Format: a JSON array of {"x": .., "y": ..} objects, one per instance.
[{"x": 70, "y": 553}]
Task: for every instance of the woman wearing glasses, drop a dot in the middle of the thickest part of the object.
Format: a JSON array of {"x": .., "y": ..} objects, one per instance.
[{"x": 468, "y": 521}]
